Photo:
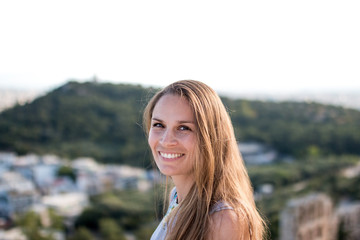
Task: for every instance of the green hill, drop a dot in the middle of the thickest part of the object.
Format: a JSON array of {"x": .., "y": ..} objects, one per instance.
[
  {"x": 80, "y": 119},
  {"x": 103, "y": 121},
  {"x": 298, "y": 128}
]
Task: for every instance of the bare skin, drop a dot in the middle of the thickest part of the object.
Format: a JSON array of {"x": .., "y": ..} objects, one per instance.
[{"x": 226, "y": 225}]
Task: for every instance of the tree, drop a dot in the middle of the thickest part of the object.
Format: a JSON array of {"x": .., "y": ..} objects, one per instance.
[
  {"x": 110, "y": 230},
  {"x": 57, "y": 222},
  {"x": 66, "y": 171},
  {"x": 81, "y": 234},
  {"x": 31, "y": 226}
]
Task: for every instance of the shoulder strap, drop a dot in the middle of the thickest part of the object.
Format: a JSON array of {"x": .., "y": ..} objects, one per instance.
[{"x": 219, "y": 206}]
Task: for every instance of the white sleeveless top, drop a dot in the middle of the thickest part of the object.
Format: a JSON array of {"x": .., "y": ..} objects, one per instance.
[{"x": 161, "y": 230}]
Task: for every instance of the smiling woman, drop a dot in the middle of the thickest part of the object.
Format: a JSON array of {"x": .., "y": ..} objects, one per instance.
[{"x": 192, "y": 141}]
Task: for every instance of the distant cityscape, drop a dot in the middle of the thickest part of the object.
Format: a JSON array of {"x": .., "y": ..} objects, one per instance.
[
  {"x": 351, "y": 99},
  {"x": 34, "y": 183}
]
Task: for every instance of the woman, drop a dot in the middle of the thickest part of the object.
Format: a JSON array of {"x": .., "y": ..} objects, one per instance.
[{"x": 192, "y": 141}]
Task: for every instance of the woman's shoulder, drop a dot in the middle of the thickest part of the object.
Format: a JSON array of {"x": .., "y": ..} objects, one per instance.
[{"x": 228, "y": 224}]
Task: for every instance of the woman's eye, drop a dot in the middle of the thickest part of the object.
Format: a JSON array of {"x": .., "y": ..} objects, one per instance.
[
  {"x": 184, "y": 128},
  {"x": 158, "y": 125}
]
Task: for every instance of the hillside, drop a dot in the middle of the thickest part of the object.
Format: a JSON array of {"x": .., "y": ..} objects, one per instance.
[
  {"x": 80, "y": 119},
  {"x": 104, "y": 121},
  {"x": 297, "y": 128}
]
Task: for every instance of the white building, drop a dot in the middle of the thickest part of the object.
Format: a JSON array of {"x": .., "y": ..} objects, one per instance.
[
  {"x": 256, "y": 153},
  {"x": 6, "y": 161},
  {"x": 17, "y": 194},
  {"x": 67, "y": 204},
  {"x": 24, "y": 165},
  {"x": 86, "y": 164},
  {"x": 127, "y": 177},
  {"x": 12, "y": 234},
  {"x": 45, "y": 174}
]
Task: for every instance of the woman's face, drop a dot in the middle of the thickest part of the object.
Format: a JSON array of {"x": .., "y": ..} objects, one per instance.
[{"x": 172, "y": 136}]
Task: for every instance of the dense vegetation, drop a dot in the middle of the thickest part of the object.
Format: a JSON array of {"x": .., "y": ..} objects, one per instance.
[
  {"x": 131, "y": 211},
  {"x": 97, "y": 120},
  {"x": 297, "y": 128},
  {"x": 104, "y": 121}
]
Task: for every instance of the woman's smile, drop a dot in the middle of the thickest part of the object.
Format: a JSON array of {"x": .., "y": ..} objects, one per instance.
[{"x": 170, "y": 156}]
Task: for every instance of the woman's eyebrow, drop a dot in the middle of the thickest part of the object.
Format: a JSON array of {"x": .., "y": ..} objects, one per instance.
[
  {"x": 157, "y": 119},
  {"x": 180, "y": 122},
  {"x": 185, "y": 121}
]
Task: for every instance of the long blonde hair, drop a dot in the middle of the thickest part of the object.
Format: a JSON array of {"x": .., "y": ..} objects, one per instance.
[{"x": 219, "y": 171}]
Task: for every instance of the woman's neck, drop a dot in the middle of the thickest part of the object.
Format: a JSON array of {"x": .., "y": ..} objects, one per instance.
[{"x": 183, "y": 185}]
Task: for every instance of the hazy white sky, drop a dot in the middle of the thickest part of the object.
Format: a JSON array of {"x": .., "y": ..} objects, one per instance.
[{"x": 236, "y": 46}]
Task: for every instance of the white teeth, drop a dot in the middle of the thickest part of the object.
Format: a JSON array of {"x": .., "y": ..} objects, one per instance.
[{"x": 170, "y": 155}]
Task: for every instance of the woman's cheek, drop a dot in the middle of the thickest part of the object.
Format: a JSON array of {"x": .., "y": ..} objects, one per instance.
[{"x": 153, "y": 136}]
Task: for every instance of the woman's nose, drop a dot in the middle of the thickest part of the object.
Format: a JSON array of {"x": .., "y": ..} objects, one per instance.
[{"x": 168, "y": 138}]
